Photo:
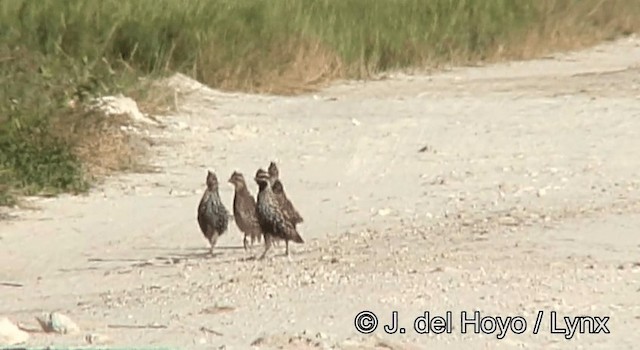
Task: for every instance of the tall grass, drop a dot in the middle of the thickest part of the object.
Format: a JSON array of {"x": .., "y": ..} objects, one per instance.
[{"x": 54, "y": 51}]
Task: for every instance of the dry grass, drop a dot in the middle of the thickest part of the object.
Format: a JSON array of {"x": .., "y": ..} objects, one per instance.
[
  {"x": 53, "y": 51},
  {"x": 291, "y": 67},
  {"x": 154, "y": 97},
  {"x": 571, "y": 26},
  {"x": 103, "y": 146},
  {"x": 444, "y": 34}
]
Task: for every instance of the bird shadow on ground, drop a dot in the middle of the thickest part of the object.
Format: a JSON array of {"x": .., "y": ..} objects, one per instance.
[
  {"x": 188, "y": 253},
  {"x": 173, "y": 249},
  {"x": 168, "y": 256},
  {"x": 115, "y": 260},
  {"x": 202, "y": 254},
  {"x": 169, "y": 248}
]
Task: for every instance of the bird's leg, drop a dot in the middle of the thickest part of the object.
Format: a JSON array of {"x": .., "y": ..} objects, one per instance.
[
  {"x": 245, "y": 243},
  {"x": 212, "y": 242},
  {"x": 286, "y": 252},
  {"x": 267, "y": 245}
]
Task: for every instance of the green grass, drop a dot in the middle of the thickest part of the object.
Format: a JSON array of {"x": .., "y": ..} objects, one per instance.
[{"x": 54, "y": 51}]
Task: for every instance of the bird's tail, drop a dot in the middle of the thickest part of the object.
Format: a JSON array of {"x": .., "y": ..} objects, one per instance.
[
  {"x": 296, "y": 237},
  {"x": 291, "y": 232}
]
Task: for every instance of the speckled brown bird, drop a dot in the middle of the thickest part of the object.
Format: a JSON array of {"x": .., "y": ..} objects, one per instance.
[
  {"x": 244, "y": 210},
  {"x": 270, "y": 216},
  {"x": 288, "y": 209},
  {"x": 213, "y": 217}
]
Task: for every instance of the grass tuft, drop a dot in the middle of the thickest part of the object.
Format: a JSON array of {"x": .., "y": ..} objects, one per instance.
[{"x": 55, "y": 55}]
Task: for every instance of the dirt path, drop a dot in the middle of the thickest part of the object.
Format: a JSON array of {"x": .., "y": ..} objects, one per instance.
[{"x": 506, "y": 189}]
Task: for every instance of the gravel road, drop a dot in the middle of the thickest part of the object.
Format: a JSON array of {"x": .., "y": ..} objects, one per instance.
[{"x": 509, "y": 189}]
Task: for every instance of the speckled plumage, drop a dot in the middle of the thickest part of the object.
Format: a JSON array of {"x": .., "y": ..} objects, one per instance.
[
  {"x": 288, "y": 209},
  {"x": 213, "y": 217},
  {"x": 270, "y": 216},
  {"x": 244, "y": 210}
]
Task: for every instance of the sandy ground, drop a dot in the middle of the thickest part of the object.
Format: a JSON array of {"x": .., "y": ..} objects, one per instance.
[{"x": 508, "y": 189}]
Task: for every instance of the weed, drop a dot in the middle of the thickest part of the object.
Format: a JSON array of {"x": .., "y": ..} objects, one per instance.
[{"x": 57, "y": 54}]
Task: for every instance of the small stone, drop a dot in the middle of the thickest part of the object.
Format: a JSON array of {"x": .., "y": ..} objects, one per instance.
[
  {"x": 10, "y": 334},
  {"x": 384, "y": 212},
  {"x": 57, "y": 323},
  {"x": 508, "y": 221},
  {"x": 96, "y": 338},
  {"x": 181, "y": 126},
  {"x": 321, "y": 335}
]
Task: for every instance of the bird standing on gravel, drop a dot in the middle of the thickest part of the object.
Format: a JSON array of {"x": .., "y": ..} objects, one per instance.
[
  {"x": 244, "y": 210},
  {"x": 288, "y": 209},
  {"x": 213, "y": 217},
  {"x": 272, "y": 220}
]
